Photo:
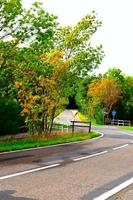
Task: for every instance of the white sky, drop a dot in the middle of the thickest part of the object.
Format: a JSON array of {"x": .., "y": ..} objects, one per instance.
[{"x": 116, "y": 34}]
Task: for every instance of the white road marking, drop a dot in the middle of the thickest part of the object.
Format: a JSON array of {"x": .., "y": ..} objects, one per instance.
[
  {"x": 28, "y": 171},
  {"x": 93, "y": 155},
  {"x": 115, "y": 190},
  {"x": 55, "y": 145},
  {"x": 129, "y": 134},
  {"x": 120, "y": 147}
]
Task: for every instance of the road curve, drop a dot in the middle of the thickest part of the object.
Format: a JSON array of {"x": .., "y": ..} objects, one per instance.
[{"x": 71, "y": 171}]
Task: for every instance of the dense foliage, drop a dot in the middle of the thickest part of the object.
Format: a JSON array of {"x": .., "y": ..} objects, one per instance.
[
  {"x": 41, "y": 63},
  {"x": 105, "y": 93},
  {"x": 10, "y": 120}
]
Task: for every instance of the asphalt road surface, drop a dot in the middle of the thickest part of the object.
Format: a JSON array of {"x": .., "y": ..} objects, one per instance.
[{"x": 96, "y": 169}]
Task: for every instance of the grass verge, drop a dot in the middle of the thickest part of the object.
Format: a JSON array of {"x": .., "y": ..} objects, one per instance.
[
  {"x": 129, "y": 128},
  {"x": 31, "y": 142}
]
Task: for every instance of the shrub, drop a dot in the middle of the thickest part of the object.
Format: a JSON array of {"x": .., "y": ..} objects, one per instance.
[
  {"x": 99, "y": 116},
  {"x": 10, "y": 118}
]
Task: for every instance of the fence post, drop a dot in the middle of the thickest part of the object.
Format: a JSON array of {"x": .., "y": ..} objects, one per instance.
[
  {"x": 90, "y": 127},
  {"x": 72, "y": 126}
]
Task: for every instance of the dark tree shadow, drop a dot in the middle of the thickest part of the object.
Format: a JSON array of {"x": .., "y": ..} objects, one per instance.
[{"x": 7, "y": 195}]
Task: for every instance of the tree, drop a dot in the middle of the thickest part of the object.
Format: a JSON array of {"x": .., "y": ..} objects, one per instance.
[
  {"x": 117, "y": 74},
  {"x": 128, "y": 98},
  {"x": 20, "y": 28},
  {"x": 22, "y": 25},
  {"x": 42, "y": 91},
  {"x": 10, "y": 16},
  {"x": 48, "y": 69},
  {"x": 10, "y": 120},
  {"x": 42, "y": 61},
  {"x": 75, "y": 42},
  {"x": 124, "y": 106},
  {"x": 81, "y": 92},
  {"x": 83, "y": 57},
  {"x": 105, "y": 92}
]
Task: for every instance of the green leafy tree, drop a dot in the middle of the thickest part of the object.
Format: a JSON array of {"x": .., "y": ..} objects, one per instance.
[
  {"x": 84, "y": 58},
  {"x": 42, "y": 63},
  {"x": 18, "y": 28},
  {"x": 75, "y": 42},
  {"x": 117, "y": 74},
  {"x": 124, "y": 107},
  {"x": 22, "y": 25},
  {"x": 10, "y": 120}
]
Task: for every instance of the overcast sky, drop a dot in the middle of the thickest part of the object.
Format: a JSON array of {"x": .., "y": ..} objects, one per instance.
[{"x": 116, "y": 34}]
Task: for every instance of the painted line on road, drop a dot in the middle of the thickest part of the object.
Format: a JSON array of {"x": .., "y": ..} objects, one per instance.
[
  {"x": 28, "y": 171},
  {"x": 55, "y": 145},
  {"x": 115, "y": 190},
  {"x": 93, "y": 155},
  {"x": 120, "y": 147},
  {"x": 129, "y": 134}
]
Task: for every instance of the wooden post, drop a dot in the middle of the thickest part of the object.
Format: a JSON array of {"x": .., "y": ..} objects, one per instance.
[
  {"x": 72, "y": 126},
  {"x": 90, "y": 127}
]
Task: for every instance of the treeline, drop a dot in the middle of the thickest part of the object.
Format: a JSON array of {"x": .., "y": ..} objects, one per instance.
[
  {"x": 42, "y": 64},
  {"x": 98, "y": 96}
]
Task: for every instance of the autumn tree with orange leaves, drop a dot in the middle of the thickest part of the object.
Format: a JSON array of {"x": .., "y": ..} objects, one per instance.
[
  {"x": 41, "y": 94},
  {"x": 105, "y": 92},
  {"x": 50, "y": 68},
  {"x": 42, "y": 63}
]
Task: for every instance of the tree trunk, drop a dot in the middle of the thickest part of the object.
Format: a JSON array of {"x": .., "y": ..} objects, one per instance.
[{"x": 52, "y": 119}]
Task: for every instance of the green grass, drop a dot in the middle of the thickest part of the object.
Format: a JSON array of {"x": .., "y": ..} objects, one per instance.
[
  {"x": 83, "y": 117},
  {"x": 129, "y": 128},
  {"x": 30, "y": 142}
]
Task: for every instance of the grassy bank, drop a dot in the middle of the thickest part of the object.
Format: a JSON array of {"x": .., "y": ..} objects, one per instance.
[
  {"x": 82, "y": 117},
  {"x": 129, "y": 128},
  {"x": 85, "y": 118},
  {"x": 30, "y": 142}
]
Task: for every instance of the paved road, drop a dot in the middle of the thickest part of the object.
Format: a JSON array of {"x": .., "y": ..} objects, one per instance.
[
  {"x": 79, "y": 171},
  {"x": 67, "y": 116}
]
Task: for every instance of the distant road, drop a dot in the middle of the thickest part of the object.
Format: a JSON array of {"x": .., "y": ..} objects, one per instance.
[{"x": 67, "y": 116}]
